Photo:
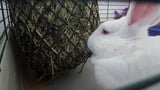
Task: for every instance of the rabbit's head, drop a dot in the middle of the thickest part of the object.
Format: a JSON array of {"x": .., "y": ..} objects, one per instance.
[{"x": 115, "y": 37}]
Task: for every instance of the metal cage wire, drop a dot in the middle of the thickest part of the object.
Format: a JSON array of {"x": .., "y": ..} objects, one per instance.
[
  {"x": 107, "y": 8},
  {"x": 4, "y": 26}
]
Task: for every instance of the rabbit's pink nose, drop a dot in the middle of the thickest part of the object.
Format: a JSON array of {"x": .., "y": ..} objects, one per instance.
[{"x": 105, "y": 32}]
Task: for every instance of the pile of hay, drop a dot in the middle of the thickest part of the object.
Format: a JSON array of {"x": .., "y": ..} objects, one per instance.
[{"x": 53, "y": 33}]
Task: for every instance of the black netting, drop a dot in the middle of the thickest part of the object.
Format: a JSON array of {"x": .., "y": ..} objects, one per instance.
[{"x": 53, "y": 33}]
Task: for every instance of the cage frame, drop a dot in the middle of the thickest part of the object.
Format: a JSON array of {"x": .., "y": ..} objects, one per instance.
[{"x": 5, "y": 33}]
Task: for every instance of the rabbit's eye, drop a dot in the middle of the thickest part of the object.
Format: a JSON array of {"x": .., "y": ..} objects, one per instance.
[{"x": 105, "y": 32}]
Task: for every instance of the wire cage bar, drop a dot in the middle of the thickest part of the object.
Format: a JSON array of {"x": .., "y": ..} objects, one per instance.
[
  {"x": 107, "y": 8},
  {"x": 4, "y": 26}
]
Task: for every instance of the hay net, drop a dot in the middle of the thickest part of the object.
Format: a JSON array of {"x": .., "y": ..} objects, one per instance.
[{"x": 53, "y": 33}]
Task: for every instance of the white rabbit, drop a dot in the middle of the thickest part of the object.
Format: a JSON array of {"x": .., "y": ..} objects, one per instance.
[{"x": 123, "y": 53}]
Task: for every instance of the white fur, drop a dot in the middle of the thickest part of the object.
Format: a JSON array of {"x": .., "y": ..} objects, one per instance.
[{"x": 126, "y": 55}]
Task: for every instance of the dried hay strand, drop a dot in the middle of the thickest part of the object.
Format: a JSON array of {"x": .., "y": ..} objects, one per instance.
[{"x": 53, "y": 33}]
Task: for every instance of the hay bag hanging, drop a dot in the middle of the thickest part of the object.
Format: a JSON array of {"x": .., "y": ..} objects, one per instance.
[{"x": 53, "y": 33}]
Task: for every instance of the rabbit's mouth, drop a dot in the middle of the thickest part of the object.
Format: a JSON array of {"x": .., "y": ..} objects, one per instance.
[{"x": 89, "y": 53}]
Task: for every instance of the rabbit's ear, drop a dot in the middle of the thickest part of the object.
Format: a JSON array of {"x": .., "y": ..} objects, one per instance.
[{"x": 143, "y": 13}]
